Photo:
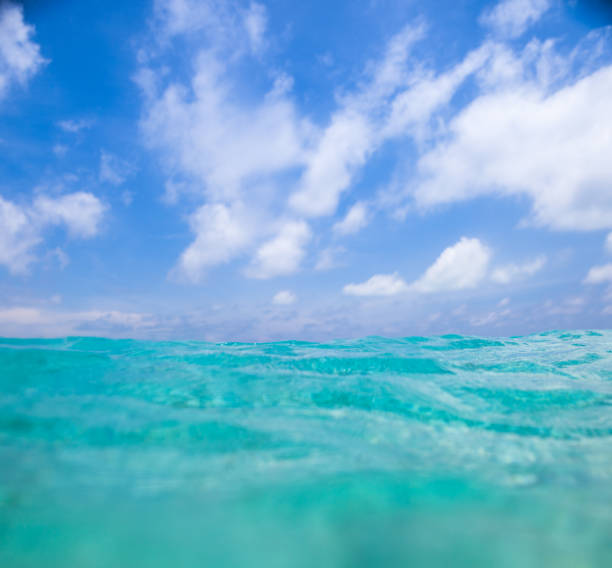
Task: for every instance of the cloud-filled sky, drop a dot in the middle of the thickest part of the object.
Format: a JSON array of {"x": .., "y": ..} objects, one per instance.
[{"x": 245, "y": 170}]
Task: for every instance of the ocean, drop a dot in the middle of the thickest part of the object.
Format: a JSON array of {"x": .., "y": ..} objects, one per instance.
[{"x": 420, "y": 451}]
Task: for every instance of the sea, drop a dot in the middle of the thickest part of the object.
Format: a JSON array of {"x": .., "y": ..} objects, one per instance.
[{"x": 446, "y": 451}]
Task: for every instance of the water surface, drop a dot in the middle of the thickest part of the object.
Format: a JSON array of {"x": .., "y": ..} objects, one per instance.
[{"x": 440, "y": 451}]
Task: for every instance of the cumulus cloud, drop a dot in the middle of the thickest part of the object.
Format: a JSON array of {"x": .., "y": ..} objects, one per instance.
[
  {"x": 511, "y": 272},
  {"x": 599, "y": 274},
  {"x": 22, "y": 227},
  {"x": 282, "y": 254},
  {"x": 284, "y": 298},
  {"x": 233, "y": 154},
  {"x": 608, "y": 244},
  {"x": 80, "y": 212},
  {"x": 20, "y": 57},
  {"x": 460, "y": 266},
  {"x": 231, "y": 151},
  {"x": 203, "y": 133},
  {"x": 378, "y": 285},
  {"x": 221, "y": 233},
  {"x": 553, "y": 149},
  {"x": 510, "y": 18},
  {"x": 355, "y": 220}
]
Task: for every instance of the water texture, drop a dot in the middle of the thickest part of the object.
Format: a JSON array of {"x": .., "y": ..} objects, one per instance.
[{"x": 439, "y": 451}]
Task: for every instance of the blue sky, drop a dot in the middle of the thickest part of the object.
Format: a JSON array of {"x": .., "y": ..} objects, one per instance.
[{"x": 290, "y": 170}]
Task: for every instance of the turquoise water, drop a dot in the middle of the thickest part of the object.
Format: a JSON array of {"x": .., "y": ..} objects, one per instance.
[{"x": 440, "y": 451}]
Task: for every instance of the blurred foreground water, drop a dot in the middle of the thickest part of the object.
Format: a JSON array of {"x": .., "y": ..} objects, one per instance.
[{"x": 440, "y": 451}]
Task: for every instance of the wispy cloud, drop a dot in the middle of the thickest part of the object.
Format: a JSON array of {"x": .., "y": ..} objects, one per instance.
[
  {"x": 113, "y": 169},
  {"x": 22, "y": 227},
  {"x": 356, "y": 219},
  {"x": 74, "y": 126},
  {"x": 510, "y": 272},
  {"x": 511, "y": 18},
  {"x": 378, "y": 285},
  {"x": 20, "y": 57}
]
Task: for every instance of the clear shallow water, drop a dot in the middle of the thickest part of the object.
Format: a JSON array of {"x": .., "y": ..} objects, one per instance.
[{"x": 445, "y": 451}]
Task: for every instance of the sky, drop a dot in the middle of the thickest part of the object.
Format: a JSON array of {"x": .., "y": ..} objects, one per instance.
[{"x": 253, "y": 171}]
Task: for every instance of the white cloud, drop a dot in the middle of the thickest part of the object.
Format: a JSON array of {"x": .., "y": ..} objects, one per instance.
[
  {"x": 255, "y": 22},
  {"x": 22, "y": 227},
  {"x": 353, "y": 132},
  {"x": 233, "y": 151},
  {"x": 344, "y": 148},
  {"x": 114, "y": 170},
  {"x": 412, "y": 108},
  {"x": 520, "y": 141},
  {"x": 355, "y": 220},
  {"x": 282, "y": 254},
  {"x": 27, "y": 321},
  {"x": 378, "y": 285},
  {"x": 510, "y": 18},
  {"x": 510, "y": 272},
  {"x": 80, "y": 212},
  {"x": 223, "y": 26},
  {"x": 17, "y": 237},
  {"x": 599, "y": 274},
  {"x": 20, "y": 57},
  {"x": 185, "y": 16},
  {"x": 21, "y": 316},
  {"x": 222, "y": 232},
  {"x": 461, "y": 266},
  {"x": 284, "y": 298},
  {"x": 242, "y": 151},
  {"x": 517, "y": 137},
  {"x": 608, "y": 244},
  {"x": 74, "y": 126},
  {"x": 226, "y": 146},
  {"x": 176, "y": 17}
]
